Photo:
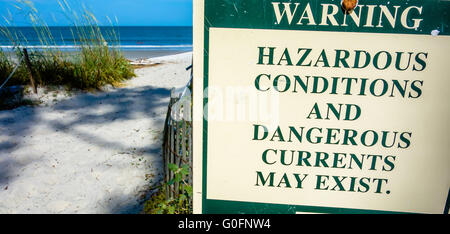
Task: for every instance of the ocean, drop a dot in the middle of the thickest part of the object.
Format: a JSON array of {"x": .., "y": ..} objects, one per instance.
[{"x": 134, "y": 41}]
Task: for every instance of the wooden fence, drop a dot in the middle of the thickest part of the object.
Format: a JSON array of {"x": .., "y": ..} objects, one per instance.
[{"x": 177, "y": 142}]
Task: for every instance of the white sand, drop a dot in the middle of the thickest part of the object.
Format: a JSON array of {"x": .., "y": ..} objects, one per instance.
[{"x": 88, "y": 153}]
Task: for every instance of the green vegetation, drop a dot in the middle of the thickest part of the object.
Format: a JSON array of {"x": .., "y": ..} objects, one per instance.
[
  {"x": 180, "y": 204},
  {"x": 95, "y": 64}
]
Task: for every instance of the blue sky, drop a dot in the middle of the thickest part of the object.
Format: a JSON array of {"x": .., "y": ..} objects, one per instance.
[{"x": 128, "y": 12}]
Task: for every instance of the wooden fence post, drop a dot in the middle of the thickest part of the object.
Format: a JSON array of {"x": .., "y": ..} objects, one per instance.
[
  {"x": 183, "y": 147},
  {"x": 30, "y": 70},
  {"x": 166, "y": 150},
  {"x": 177, "y": 155},
  {"x": 172, "y": 155}
]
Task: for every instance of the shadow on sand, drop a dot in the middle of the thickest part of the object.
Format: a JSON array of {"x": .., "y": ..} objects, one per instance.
[{"x": 122, "y": 104}]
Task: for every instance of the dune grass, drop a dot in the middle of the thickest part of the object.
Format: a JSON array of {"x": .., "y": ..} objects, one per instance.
[{"x": 96, "y": 62}]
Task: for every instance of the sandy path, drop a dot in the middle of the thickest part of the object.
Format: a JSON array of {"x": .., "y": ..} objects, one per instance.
[{"x": 88, "y": 153}]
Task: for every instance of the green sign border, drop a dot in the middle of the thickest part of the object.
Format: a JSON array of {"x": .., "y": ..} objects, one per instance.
[{"x": 217, "y": 14}]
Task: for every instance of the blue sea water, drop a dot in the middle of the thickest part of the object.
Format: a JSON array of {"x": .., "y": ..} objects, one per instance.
[{"x": 127, "y": 38}]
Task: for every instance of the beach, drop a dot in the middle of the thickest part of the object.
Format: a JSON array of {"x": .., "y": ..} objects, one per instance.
[
  {"x": 145, "y": 54},
  {"x": 90, "y": 152}
]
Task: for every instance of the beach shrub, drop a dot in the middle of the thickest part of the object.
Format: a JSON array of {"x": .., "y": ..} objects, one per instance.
[
  {"x": 5, "y": 67},
  {"x": 97, "y": 61},
  {"x": 7, "y": 64}
]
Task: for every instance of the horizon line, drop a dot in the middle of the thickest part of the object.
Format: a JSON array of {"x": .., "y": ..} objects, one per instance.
[{"x": 17, "y": 26}]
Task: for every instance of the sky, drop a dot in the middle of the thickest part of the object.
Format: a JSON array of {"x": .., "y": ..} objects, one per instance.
[{"x": 127, "y": 12}]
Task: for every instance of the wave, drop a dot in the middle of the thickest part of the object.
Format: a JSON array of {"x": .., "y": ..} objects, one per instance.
[
  {"x": 154, "y": 46},
  {"x": 113, "y": 46}
]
